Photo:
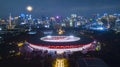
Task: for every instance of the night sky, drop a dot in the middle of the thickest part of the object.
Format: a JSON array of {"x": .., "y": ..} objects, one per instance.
[{"x": 58, "y": 7}]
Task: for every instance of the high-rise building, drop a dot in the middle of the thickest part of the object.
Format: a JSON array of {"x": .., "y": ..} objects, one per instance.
[
  {"x": 9, "y": 22},
  {"x": 117, "y": 25}
]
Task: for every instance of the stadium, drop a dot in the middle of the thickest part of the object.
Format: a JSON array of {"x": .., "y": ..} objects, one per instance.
[{"x": 61, "y": 43}]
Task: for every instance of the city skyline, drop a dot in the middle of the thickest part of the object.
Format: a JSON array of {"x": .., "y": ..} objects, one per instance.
[
  {"x": 58, "y": 7},
  {"x": 60, "y": 33}
]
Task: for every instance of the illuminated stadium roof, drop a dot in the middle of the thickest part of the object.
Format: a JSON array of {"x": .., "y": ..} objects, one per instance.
[{"x": 59, "y": 40}]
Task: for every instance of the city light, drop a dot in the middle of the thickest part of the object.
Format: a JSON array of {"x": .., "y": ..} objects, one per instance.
[
  {"x": 71, "y": 36},
  {"x": 57, "y": 17},
  {"x": 100, "y": 28},
  {"x": 60, "y": 62},
  {"x": 32, "y": 32},
  {"x": 20, "y": 44},
  {"x": 49, "y": 36},
  {"x": 0, "y": 28}
]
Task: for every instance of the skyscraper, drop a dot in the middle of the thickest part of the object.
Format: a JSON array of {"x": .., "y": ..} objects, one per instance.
[{"x": 9, "y": 22}]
